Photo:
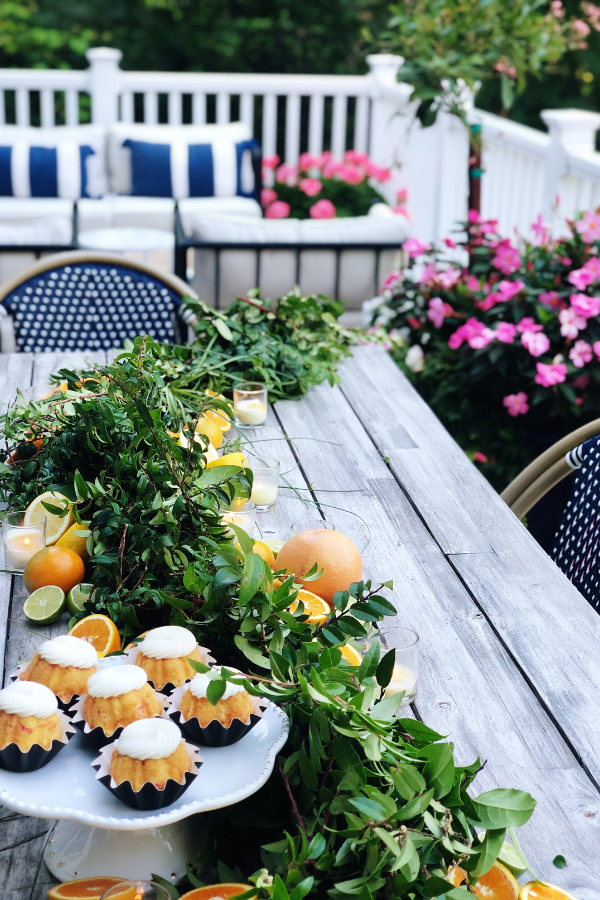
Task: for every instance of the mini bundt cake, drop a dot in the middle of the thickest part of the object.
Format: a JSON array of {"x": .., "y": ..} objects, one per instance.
[
  {"x": 28, "y": 716},
  {"x": 150, "y": 750},
  {"x": 118, "y": 696},
  {"x": 162, "y": 655},
  {"x": 64, "y": 665},
  {"x": 236, "y": 703}
]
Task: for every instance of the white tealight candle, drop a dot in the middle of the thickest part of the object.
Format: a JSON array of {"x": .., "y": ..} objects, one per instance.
[
  {"x": 20, "y": 545},
  {"x": 240, "y": 520},
  {"x": 402, "y": 680},
  {"x": 251, "y": 411},
  {"x": 263, "y": 493}
]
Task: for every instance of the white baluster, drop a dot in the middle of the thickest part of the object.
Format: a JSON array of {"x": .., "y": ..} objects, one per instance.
[
  {"x": 571, "y": 131},
  {"x": 292, "y": 129},
  {"x": 223, "y": 109},
  {"x": 2, "y": 108},
  {"x": 361, "y": 124},
  {"x": 104, "y": 84},
  {"x": 338, "y": 130},
  {"x": 127, "y": 107},
  {"x": 151, "y": 107},
  {"x": 175, "y": 108},
  {"x": 198, "y": 109},
  {"x": 47, "y": 107},
  {"x": 22, "y": 106},
  {"x": 247, "y": 111},
  {"x": 269, "y": 141},
  {"x": 72, "y": 107},
  {"x": 315, "y": 124}
]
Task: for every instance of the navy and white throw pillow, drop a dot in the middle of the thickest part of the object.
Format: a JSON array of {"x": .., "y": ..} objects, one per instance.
[
  {"x": 219, "y": 169},
  {"x": 28, "y": 171}
]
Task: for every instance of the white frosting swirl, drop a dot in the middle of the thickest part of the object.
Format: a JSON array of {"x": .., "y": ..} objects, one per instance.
[
  {"x": 116, "y": 681},
  {"x": 66, "y": 650},
  {"x": 200, "y": 682},
  {"x": 168, "y": 642},
  {"x": 149, "y": 739},
  {"x": 27, "y": 698}
]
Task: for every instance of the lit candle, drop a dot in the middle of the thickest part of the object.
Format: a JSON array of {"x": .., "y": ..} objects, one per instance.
[
  {"x": 251, "y": 412},
  {"x": 265, "y": 471},
  {"x": 241, "y": 518},
  {"x": 20, "y": 545},
  {"x": 263, "y": 493},
  {"x": 250, "y": 400},
  {"x": 402, "y": 680}
]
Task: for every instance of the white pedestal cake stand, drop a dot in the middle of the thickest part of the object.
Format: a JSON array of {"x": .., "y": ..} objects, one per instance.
[{"x": 99, "y": 835}]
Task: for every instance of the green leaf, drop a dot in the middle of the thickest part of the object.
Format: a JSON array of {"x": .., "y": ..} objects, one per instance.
[
  {"x": 198, "y": 666},
  {"x": 215, "y": 691},
  {"x": 408, "y": 781},
  {"x": 316, "y": 846},
  {"x": 504, "y": 807},
  {"x": 439, "y": 768},
  {"x": 369, "y": 808},
  {"x": 386, "y": 668},
  {"x": 279, "y": 889},
  {"x": 369, "y": 662},
  {"x": 489, "y": 850},
  {"x": 415, "y": 807},
  {"x": 251, "y": 652},
  {"x": 559, "y": 861},
  {"x": 252, "y": 577},
  {"x": 145, "y": 414},
  {"x": 223, "y": 328},
  {"x": 303, "y": 888}
]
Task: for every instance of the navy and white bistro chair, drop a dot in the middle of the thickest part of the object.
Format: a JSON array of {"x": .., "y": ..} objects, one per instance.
[{"x": 84, "y": 300}]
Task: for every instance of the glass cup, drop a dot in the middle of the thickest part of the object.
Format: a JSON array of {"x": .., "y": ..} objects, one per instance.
[
  {"x": 243, "y": 516},
  {"x": 136, "y": 890},
  {"x": 250, "y": 400},
  {"x": 266, "y": 481},
  {"x": 312, "y": 524},
  {"x": 405, "y": 676},
  {"x": 21, "y": 541}
]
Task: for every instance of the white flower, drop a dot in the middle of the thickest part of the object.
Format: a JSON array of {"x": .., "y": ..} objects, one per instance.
[
  {"x": 415, "y": 359},
  {"x": 385, "y": 315},
  {"x": 368, "y": 308}
]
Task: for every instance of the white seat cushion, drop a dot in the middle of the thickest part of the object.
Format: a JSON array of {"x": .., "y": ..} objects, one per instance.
[{"x": 117, "y": 211}]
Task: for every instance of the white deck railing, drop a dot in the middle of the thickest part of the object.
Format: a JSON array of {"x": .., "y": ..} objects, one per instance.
[{"x": 525, "y": 169}]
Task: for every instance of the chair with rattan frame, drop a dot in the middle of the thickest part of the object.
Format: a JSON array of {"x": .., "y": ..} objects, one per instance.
[
  {"x": 69, "y": 298},
  {"x": 546, "y": 471}
]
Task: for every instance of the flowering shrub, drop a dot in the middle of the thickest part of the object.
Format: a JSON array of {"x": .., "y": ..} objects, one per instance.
[
  {"x": 320, "y": 187},
  {"x": 502, "y": 339}
]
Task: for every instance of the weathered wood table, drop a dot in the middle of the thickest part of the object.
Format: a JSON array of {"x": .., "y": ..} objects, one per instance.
[{"x": 510, "y": 651}]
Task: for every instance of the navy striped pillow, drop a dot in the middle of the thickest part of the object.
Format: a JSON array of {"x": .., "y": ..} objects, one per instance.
[{"x": 44, "y": 171}]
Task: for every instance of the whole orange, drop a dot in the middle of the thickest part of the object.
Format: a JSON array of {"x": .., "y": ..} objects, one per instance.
[
  {"x": 54, "y": 565},
  {"x": 332, "y": 551}
]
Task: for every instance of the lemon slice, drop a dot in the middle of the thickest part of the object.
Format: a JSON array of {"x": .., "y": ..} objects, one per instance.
[
  {"x": 210, "y": 452},
  {"x": 56, "y": 526},
  {"x": 45, "y": 605}
]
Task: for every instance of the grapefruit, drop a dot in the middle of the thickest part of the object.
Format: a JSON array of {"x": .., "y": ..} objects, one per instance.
[{"x": 332, "y": 551}]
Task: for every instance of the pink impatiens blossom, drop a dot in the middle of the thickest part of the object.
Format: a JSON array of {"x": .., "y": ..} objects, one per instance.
[
  {"x": 528, "y": 324},
  {"x": 438, "y": 310},
  {"x": 550, "y": 298},
  {"x": 323, "y": 209},
  {"x": 310, "y": 186},
  {"x": 402, "y": 195},
  {"x": 585, "y": 306},
  {"x": 330, "y": 167},
  {"x": 596, "y": 348},
  {"x": 355, "y": 157},
  {"x": 571, "y": 323},
  {"x": 581, "y": 278},
  {"x": 507, "y": 258},
  {"x": 285, "y": 173},
  {"x": 593, "y": 266},
  {"x": 472, "y": 283},
  {"x": 536, "y": 342},
  {"x": 277, "y": 210},
  {"x": 307, "y": 161},
  {"x": 541, "y": 229},
  {"x": 506, "y": 290},
  {"x": 429, "y": 273},
  {"x": 414, "y": 247},
  {"x": 506, "y": 332},
  {"x": 480, "y": 457},
  {"x": 393, "y": 278},
  {"x": 268, "y": 196},
  {"x": 474, "y": 332},
  {"x": 549, "y": 374},
  {"x": 581, "y": 27},
  {"x": 449, "y": 277},
  {"x": 474, "y": 217},
  {"x": 270, "y": 162},
  {"x": 379, "y": 173},
  {"x": 589, "y": 226},
  {"x": 581, "y": 383},
  {"x": 351, "y": 174},
  {"x": 516, "y": 404},
  {"x": 580, "y": 354}
]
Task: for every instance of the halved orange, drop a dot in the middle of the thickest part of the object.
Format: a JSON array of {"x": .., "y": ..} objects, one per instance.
[
  {"x": 351, "y": 655},
  {"x": 221, "y": 418},
  {"x": 83, "y": 888},
  {"x": 317, "y": 608},
  {"x": 100, "y": 631},
  {"x": 541, "y": 890},
  {"x": 497, "y": 884},
  {"x": 222, "y": 891}
]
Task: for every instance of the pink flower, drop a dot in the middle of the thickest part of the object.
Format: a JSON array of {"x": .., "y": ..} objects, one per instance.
[
  {"x": 402, "y": 195},
  {"x": 401, "y": 210},
  {"x": 285, "y": 173},
  {"x": 379, "y": 173},
  {"x": 566, "y": 261},
  {"x": 507, "y": 259},
  {"x": 528, "y": 324},
  {"x": 593, "y": 266},
  {"x": 541, "y": 229},
  {"x": 589, "y": 226},
  {"x": 307, "y": 161},
  {"x": 581, "y": 383},
  {"x": 537, "y": 343},
  {"x": 392, "y": 278},
  {"x": 330, "y": 167},
  {"x": 596, "y": 348},
  {"x": 355, "y": 157},
  {"x": 351, "y": 174},
  {"x": 310, "y": 186},
  {"x": 270, "y": 162},
  {"x": 581, "y": 27},
  {"x": 585, "y": 306},
  {"x": 438, "y": 310},
  {"x": 414, "y": 247},
  {"x": 323, "y": 209},
  {"x": 472, "y": 283},
  {"x": 268, "y": 196},
  {"x": 474, "y": 332},
  {"x": 550, "y": 298},
  {"x": 429, "y": 273},
  {"x": 580, "y": 354},
  {"x": 480, "y": 457},
  {"x": 550, "y": 374},
  {"x": 277, "y": 210},
  {"x": 489, "y": 227},
  {"x": 474, "y": 216},
  {"x": 581, "y": 278},
  {"x": 516, "y": 404},
  {"x": 450, "y": 243},
  {"x": 509, "y": 289},
  {"x": 505, "y": 332},
  {"x": 489, "y": 301},
  {"x": 571, "y": 323},
  {"x": 449, "y": 277}
]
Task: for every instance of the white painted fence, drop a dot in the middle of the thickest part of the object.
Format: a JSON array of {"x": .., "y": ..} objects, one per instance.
[{"x": 525, "y": 169}]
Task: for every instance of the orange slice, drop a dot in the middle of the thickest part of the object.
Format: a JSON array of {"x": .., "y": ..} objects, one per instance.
[
  {"x": 222, "y": 891},
  {"x": 100, "y": 631},
  {"x": 351, "y": 655},
  {"x": 497, "y": 884},
  {"x": 317, "y": 608},
  {"x": 83, "y": 888},
  {"x": 541, "y": 890}
]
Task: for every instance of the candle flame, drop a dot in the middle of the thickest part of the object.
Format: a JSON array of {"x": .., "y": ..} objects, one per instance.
[{"x": 26, "y": 540}]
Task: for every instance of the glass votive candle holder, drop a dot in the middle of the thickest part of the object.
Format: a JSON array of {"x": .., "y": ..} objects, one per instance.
[
  {"x": 405, "y": 676},
  {"x": 312, "y": 525},
  {"x": 22, "y": 540},
  {"x": 250, "y": 399},
  {"x": 136, "y": 890},
  {"x": 266, "y": 481},
  {"x": 242, "y": 516}
]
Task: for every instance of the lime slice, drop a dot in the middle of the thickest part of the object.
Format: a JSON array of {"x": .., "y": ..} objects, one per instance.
[
  {"x": 45, "y": 605},
  {"x": 76, "y": 597},
  {"x": 509, "y": 857},
  {"x": 273, "y": 544}
]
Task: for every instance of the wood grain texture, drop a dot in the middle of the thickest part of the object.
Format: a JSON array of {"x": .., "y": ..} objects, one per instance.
[{"x": 469, "y": 686}]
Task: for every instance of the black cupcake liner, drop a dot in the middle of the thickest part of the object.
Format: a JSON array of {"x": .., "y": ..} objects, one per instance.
[
  {"x": 168, "y": 688},
  {"x": 148, "y": 797},
  {"x": 97, "y": 736},
  {"x": 214, "y": 734},
  {"x": 64, "y": 707},
  {"x": 16, "y": 760}
]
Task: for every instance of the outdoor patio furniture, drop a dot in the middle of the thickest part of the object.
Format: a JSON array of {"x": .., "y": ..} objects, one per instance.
[
  {"x": 88, "y": 299},
  {"x": 510, "y": 650}
]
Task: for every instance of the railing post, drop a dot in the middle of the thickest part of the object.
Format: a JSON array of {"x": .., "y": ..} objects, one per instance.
[
  {"x": 571, "y": 131},
  {"x": 385, "y": 128},
  {"x": 104, "y": 84}
]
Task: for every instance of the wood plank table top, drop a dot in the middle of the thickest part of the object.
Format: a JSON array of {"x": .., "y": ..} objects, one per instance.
[{"x": 510, "y": 651}]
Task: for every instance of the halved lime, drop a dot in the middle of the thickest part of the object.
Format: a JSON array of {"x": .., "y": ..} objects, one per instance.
[
  {"x": 273, "y": 544},
  {"x": 45, "y": 605},
  {"x": 509, "y": 857},
  {"x": 76, "y": 598}
]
